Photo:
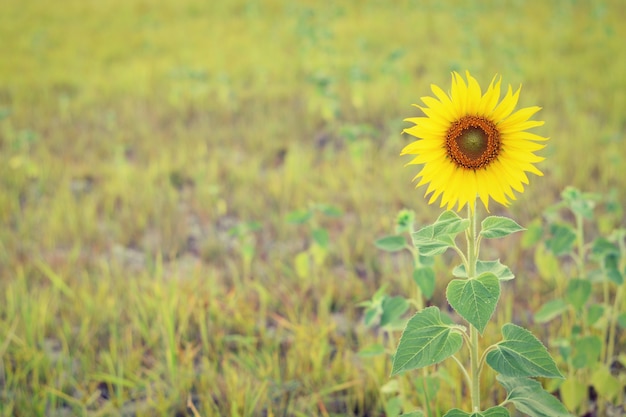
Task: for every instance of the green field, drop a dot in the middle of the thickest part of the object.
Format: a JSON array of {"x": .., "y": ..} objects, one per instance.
[{"x": 191, "y": 192}]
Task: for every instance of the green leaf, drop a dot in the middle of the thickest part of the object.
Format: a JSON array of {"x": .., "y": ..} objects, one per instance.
[
  {"x": 533, "y": 234},
  {"x": 393, "y": 308},
  {"x": 428, "y": 338},
  {"x": 582, "y": 204},
  {"x": 530, "y": 398},
  {"x": 586, "y": 352},
  {"x": 521, "y": 354},
  {"x": 425, "y": 260},
  {"x": 449, "y": 223},
  {"x": 578, "y": 292},
  {"x": 439, "y": 236},
  {"x": 495, "y": 267},
  {"x": 393, "y": 407},
  {"x": 376, "y": 299},
  {"x": 424, "y": 277},
  {"x": 548, "y": 264},
  {"x": 428, "y": 244},
  {"x": 594, "y": 313},
  {"x": 621, "y": 320},
  {"x": 391, "y": 387},
  {"x": 564, "y": 347},
  {"x": 243, "y": 229},
  {"x": 562, "y": 240},
  {"x": 491, "y": 412},
  {"x": 496, "y": 226},
  {"x": 475, "y": 299},
  {"x": 318, "y": 254},
  {"x": 330, "y": 210},
  {"x": 392, "y": 243},
  {"x": 605, "y": 383},
  {"x": 602, "y": 247},
  {"x": 302, "y": 264},
  {"x": 299, "y": 216},
  {"x": 432, "y": 247},
  {"x": 611, "y": 268},
  {"x": 320, "y": 236},
  {"x": 550, "y": 310},
  {"x": 370, "y": 315},
  {"x": 573, "y": 393},
  {"x": 372, "y": 350},
  {"x": 404, "y": 221}
]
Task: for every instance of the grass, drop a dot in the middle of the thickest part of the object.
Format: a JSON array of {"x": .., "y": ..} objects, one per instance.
[{"x": 134, "y": 137}]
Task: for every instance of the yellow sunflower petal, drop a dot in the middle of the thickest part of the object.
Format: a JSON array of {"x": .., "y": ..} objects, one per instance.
[
  {"x": 507, "y": 105},
  {"x": 512, "y": 142},
  {"x": 474, "y": 94},
  {"x": 458, "y": 94},
  {"x": 428, "y": 157},
  {"x": 529, "y": 136},
  {"x": 441, "y": 95},
  {"x": 519, "y": 117},
  {"x": 437, "y": 110},
  {"x": 522, "y": 126},
  {"x": 490, "y": 99}
]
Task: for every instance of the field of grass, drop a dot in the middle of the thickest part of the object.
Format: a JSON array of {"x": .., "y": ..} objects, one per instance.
[{"x": 191, "y": 190}]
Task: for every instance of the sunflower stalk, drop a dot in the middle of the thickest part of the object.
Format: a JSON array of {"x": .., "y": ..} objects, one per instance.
[{"x": 471, "y": 274}]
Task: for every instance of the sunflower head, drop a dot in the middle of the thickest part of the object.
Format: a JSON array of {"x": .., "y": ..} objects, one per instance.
[{"x": 472, "y": 144}]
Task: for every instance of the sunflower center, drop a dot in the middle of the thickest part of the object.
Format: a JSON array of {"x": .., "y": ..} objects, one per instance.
[{"x": 473, "y": 142}]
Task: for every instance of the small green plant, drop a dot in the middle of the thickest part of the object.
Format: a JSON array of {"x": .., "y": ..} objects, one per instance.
[
  {"x": 588, "y": 279},
  {"x": 387, "y": 313},
  {"x": 423, "y": 272},
  {"x": 316, "y": 252},
  {"x": 246, "y": 244}
]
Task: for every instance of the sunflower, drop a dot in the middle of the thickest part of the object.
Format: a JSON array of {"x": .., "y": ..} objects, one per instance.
[{"x": 471, "y": 145}]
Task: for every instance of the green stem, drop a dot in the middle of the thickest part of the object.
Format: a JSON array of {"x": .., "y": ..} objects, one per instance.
[
  {"x": 468, "y": 379},
  {"x": 580, "y": 261},
  {"x": 608, "y": 348},
  {"x": 418, "y": 301},
  {"x": 471, "y": 243},
  {"x": 425, "y": 388},
  {"x": 581, "y": 246},
  {"x": 605, "y": 329},
  {"x": 475, "y": 370},
  {"x": 612, "y": 326},
  {"x": 471, "y": 274}
]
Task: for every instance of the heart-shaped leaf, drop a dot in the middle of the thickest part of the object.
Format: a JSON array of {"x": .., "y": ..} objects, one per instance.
[
  {"x": 424, "y": 277},
  {"x": 475, "y": 299},
  {"x": 587, "y": 351},
  {"x": 393, "y": 308},
  {"x": 427, "y": 339},
  {"x": 439, "y": 236},
  {"x": 578, "y": 292},
  {"x": 392, "y": 243},
  {"x": 562, "y": 240},
  {"x": 550, "y": 310},
  {"x": 496, "y": 226},
  {"x": 521, "y": 354},
  {"x": 530, "y": 398}
]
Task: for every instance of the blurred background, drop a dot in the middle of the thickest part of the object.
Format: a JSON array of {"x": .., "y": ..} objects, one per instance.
[{"x": 191, "y": 189}]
